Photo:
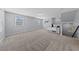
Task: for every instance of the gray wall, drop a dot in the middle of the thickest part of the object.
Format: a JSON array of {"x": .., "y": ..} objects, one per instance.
[
  {"x": 76, "y": 22},
  {"x": 68, "y": 18},
  {"x": 2, "y": 23},
  {"x": 30, "y": 24}
]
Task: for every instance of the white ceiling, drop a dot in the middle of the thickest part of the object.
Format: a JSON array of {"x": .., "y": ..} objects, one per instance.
[
  {"x": 44, "y": 12},
  {"x": 40, "y": 12}
]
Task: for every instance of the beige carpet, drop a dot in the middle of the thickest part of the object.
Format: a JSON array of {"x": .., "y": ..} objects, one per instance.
[{"x": 40, "y": 40}]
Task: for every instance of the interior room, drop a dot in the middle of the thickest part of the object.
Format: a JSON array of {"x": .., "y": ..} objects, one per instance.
[{"x": 39, "y": 29}]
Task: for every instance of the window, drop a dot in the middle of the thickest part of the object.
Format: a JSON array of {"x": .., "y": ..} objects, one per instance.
[{"x": 19, "y": 20}]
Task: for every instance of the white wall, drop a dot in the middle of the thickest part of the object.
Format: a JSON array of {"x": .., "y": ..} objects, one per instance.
[
  {"x": 30, "y": 24},
  {"x": 2, "y": 24}
]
